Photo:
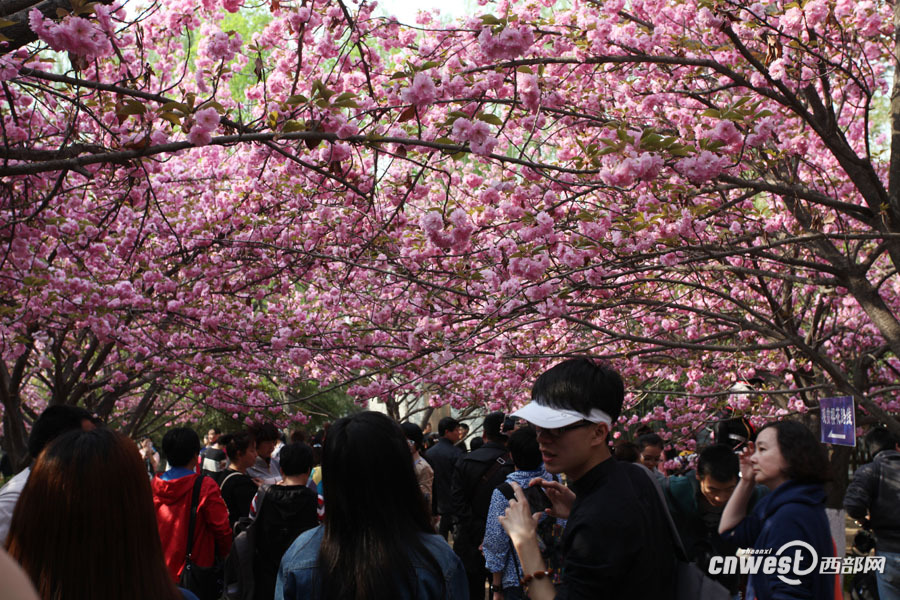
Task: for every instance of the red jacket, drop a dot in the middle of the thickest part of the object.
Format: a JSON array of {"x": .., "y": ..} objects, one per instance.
[{"x": 212, "y": 533}]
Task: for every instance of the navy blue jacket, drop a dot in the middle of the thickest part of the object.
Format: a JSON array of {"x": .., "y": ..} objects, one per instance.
[{"x": 792, "y": 512}]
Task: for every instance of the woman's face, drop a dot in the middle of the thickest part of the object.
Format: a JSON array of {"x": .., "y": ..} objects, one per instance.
[{"x": 768, "y": 464}]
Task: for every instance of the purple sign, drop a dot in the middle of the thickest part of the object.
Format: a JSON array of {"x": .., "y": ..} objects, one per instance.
[{"x": 838, "y": 421}]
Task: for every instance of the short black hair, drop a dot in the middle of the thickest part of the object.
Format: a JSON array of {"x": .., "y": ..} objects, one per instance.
[
  {"x": 235, "y": 443},
  {"x": 53, "y": 422},
  {"x": 524, "y": 449},
  {"x": 476, "y": 443},
  {"x": 264, "y": 432},
  {"x": 580, "y": 384},
  {"x": 626, "y": 451},
  {"x": 413, "y": 433},
  {"x": 493, "y": 427},
  {"x": 447, "y": 424},
  {"x": 879, "y": 439},
  {"x": 180, "y": 445},
  {"x": 806, "y": 459},
  {"x": 719, "y": 462},
  {"x": 295, "y": 459},
  {"x": 650, "y": 439}
]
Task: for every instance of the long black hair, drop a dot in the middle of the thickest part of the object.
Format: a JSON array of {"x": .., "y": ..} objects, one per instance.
[{"x": 375, "y": 512}]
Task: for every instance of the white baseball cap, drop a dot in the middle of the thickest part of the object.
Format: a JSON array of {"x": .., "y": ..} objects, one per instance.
[{"x": 551, "y": 418}]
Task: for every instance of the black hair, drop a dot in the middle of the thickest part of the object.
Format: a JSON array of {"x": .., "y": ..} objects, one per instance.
[
  {"x": 215, "y": 430},
  {"x": 719, "y": 462},
  {"x": 264, "y": 432},
  {"x": 524, "y": 449},
  {"x": 180, "y": 445},
  {"x": 626, "y": 451},
  {"x": 806, "y": 459},
  {"x": 295, "y": 459},
  {"x": 879, "y": 439},
  {"x": 493, "y": 427},
  {"x": 735, "y": 432},
  {"x": 447, "y": 424},
  {"x": 475, "y": 444},
  {"x": 366, "y": 544},
  {"x": 52, "y": 423},
  {"x": 580, "y": 384},
  {"x": 649, "y": 439},
  {"x": 414, "y": 434},
  {"x": 235, "y": 444}
]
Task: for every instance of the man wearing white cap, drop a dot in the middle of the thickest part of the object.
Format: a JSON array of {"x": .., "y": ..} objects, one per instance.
[{"x": 617, "y": 542}]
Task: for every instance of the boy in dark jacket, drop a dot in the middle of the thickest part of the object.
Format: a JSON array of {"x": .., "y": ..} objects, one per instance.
[{"x": 283, "y": 512}]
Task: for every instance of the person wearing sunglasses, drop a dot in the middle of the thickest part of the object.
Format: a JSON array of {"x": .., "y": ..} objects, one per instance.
[{"x": 617, "y": 542}]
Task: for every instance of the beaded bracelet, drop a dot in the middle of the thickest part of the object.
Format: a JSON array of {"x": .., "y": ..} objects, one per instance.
[{"x": 536, "y": 575}]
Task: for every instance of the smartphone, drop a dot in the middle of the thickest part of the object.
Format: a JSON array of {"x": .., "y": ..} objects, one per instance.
[{"x": 538, "y": 500}]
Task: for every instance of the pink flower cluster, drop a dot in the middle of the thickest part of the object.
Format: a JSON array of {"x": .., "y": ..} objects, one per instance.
[
  {"x": 221, "y": 46},
  {"x": 432, "y": 223},
  {"x": 75, "y": 34},
  {"x": 644, "y": 167},
  {"x": 477, "y": 133},
  {"x": 421, "y": 93},
  {"x": 510, "y": 43},
  {"x": 702, "y": 167},
  {"x": 205, "y": 121}
]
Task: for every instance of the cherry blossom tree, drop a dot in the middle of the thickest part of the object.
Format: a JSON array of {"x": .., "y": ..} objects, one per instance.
[{"x": 700, "y": 191}]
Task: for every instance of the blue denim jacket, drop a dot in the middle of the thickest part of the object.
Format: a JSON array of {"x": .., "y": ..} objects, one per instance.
[{"x": 300, "y": 563}]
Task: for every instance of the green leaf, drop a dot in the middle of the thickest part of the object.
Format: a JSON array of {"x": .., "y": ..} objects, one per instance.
[
  {"x": 400, "y": 75},
  {"x": 489, "y": 118},
  {"x": 525, "y": 69},
  {"x": 490, "y": 20},
  {"x": 132, "y": 107},
  {"x": 171, "y": 117},
  {"x": 296, "y": 99},
  {"x": 711, "y": 112},
  {"x": 293, "y": 125},
  {"x": 429, "y": 65},
  {"x": 175, "y": 105}
]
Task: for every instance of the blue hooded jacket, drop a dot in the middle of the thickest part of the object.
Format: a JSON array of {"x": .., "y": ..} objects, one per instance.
[{"x": 792, "y": 512}]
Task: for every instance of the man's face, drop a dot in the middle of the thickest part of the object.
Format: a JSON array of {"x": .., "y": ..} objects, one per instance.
[
  {"x": 571, "y": 449},
  {"x": 716, "y": 492},
  {"x": 265, "y": 448},
  {"x": 651, "y": 456},
  {"x": 453, "y": 435}
]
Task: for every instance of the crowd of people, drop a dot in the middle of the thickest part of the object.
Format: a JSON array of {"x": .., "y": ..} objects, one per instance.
[{"x": 540, "y": 506}]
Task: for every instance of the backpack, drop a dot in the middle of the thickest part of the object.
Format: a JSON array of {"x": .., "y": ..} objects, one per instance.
[
  {"x": 239, "y": 571},
  {"x": 549, "y": 530}
]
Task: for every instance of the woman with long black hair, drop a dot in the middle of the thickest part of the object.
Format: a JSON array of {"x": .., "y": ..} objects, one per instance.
[{"x": 377, "y": 540}]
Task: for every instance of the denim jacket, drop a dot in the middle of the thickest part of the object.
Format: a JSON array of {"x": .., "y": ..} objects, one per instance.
[{"x": 300, "y": 564}]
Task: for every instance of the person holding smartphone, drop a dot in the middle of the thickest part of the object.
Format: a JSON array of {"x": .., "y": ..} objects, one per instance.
[
  {"x": 499, "y": 556},
  {"x": 617, "y": 542}
]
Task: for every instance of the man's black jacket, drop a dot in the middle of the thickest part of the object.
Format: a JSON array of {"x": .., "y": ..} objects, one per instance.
[
  {"x": 876, "y": 489},
  {"x": 470, "y": 491},
  {"x": 442, "y": 457}
]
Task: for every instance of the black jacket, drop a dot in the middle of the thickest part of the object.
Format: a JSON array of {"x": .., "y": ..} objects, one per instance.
[
  {"x": 442, "y": 457},
  {"x": 471, "y": 491},
  {"x": 875, "y": 490},
  {"x": 617, "y": 542},
  {"x": 286, "y": 511},
  {"x": 237, "y": 492}
]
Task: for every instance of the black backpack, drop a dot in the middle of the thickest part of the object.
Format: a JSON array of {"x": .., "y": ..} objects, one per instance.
[{"x": 549, "y": 529}]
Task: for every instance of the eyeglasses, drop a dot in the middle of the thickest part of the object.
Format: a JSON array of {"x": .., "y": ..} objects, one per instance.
[{"x": 557, "y": 432}]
